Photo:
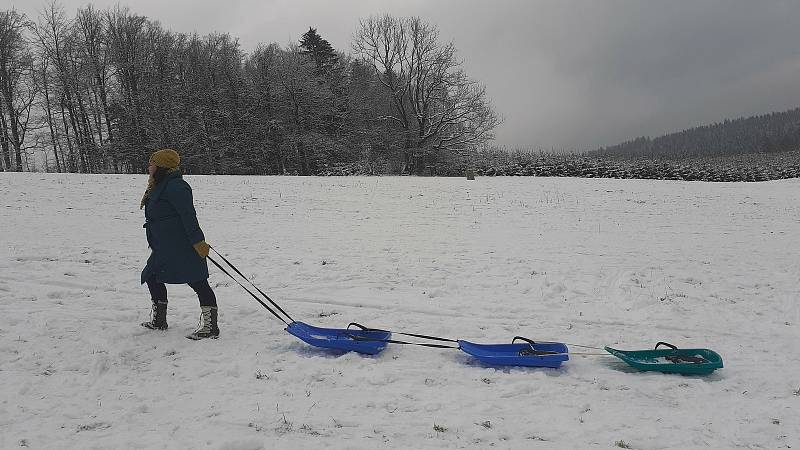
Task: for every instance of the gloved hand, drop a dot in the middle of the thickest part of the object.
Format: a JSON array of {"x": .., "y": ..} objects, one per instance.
[{"x": 202, "y": 249}]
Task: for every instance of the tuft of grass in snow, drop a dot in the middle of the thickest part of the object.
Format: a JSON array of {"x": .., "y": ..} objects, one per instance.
[
  {"x": 622, "y": 444},
  {"x": 285, "y": 426},
  {"x": 534, "y": 437},
  {"x": 308, "y": 430},
  {"x": 94, "y": 426},
  {"x": 255, "y": 426},
  {"x": 439, "y": 428}
]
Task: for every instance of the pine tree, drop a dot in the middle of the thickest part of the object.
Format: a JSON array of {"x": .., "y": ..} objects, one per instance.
[{"x": 318, "y": 48}]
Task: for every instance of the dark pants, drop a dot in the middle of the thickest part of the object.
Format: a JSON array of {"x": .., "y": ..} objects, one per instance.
[{"x": 158, "y": 292}]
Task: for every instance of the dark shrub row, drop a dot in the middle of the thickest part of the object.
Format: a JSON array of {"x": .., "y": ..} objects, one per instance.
[
  {"x": 748, "y": 167},
  {"x": 743, "y": 167}
]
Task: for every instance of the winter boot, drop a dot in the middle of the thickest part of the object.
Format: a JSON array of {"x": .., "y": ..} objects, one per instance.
[
  {"x": 214, "y": 326},
  {"x": 158, "y": 317},
  {"x": 207, "y": 327}
]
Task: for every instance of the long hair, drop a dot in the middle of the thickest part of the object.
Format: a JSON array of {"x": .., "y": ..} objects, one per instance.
[{"x": 157, "y": 177}]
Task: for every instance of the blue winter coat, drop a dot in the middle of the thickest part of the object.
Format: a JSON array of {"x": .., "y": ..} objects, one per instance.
[{"x": 172, "y": 228}]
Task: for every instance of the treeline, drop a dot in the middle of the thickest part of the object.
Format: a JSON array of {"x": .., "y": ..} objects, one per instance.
[
  {"x": 98, "y": 92},
  {"x": 741, "y": 167},
  {"x": 768, "y": 133}
]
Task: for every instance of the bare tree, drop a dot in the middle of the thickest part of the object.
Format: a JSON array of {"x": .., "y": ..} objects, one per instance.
[
  {"x": 53, "y": 38},
  {"x": 433, "y": 102},
  {"x": 5, "y": 161},
  {"x": 93, "y": 53},
  {"x": 127, "y": 40},
  {"x": 304, "y": 102},
  {"x": 18, "y": 87},
  {"x": 47, "y": 107},
  {"x": 262, "y": 120}
]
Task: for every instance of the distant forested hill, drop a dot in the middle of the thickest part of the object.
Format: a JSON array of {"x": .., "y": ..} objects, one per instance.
[{"x": 768, "y": 133}]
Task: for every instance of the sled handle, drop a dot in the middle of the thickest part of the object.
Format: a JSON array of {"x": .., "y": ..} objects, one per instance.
[
  {"x": 363, "y": 328},
  {"x": 667, "y": 345},
  {"x": 529, "y": 341},
  {"x": 532, "y": 351}
]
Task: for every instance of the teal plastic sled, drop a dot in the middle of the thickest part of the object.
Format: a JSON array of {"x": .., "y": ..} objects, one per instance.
[{"x": 689, "y": 361}]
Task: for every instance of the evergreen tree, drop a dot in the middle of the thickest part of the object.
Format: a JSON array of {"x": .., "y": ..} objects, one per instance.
[{"x": 319, "y": 49}]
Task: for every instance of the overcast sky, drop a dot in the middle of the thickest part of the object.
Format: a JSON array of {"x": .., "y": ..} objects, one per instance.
[{"x": 564, "y": 74}]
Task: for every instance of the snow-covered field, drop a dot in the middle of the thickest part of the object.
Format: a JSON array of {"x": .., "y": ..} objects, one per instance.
[{"x": 584, "y": 261}]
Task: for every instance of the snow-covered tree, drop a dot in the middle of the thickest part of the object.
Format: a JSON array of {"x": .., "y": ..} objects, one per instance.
[
  {"x": 18, "y": 88},
  {"x": 433, "y": 102}
]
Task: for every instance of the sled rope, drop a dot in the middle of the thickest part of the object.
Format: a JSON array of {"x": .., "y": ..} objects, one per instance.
[
  {"x": 251, "y": 293},
  {"x": 436, "y": 338},
  {"x": 252, "y": 284},
  {"x": 421, "y": 336},
  {"x": 394, "y": 341},
  {"x": 585, "y": 346},
  {"x": 529, "y": 351},
  {"x": 524, "y": 352}
]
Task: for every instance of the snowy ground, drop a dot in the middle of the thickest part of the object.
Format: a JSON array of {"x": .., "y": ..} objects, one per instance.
[{"x": 593, "y": 262}]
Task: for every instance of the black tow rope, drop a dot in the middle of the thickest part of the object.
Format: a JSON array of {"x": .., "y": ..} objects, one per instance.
[
  {"x": 248, "y": 290},
  {"x": 525, "y": 351},
  {"x": 394, "y": 341},
  {"x": 356, "y": 337},
  {"x": 421, "y": 336}
]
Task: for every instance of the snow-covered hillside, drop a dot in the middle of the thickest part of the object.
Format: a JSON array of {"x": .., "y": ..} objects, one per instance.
[{"x": 583, "y": 261}]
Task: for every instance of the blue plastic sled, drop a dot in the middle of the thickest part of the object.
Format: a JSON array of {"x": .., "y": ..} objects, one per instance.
[
  {"x": 364, "y": 340},
  {"x": 530, "y": 354}
]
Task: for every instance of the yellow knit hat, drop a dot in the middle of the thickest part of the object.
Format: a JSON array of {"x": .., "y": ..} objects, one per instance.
[{"x": 166, "y": 158}]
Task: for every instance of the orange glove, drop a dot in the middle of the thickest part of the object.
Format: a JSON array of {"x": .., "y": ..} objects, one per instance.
[{"x": 202, "y": 249}]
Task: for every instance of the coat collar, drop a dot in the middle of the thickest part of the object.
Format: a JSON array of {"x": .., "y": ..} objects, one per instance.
[{"x": 161, "y": 186}]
